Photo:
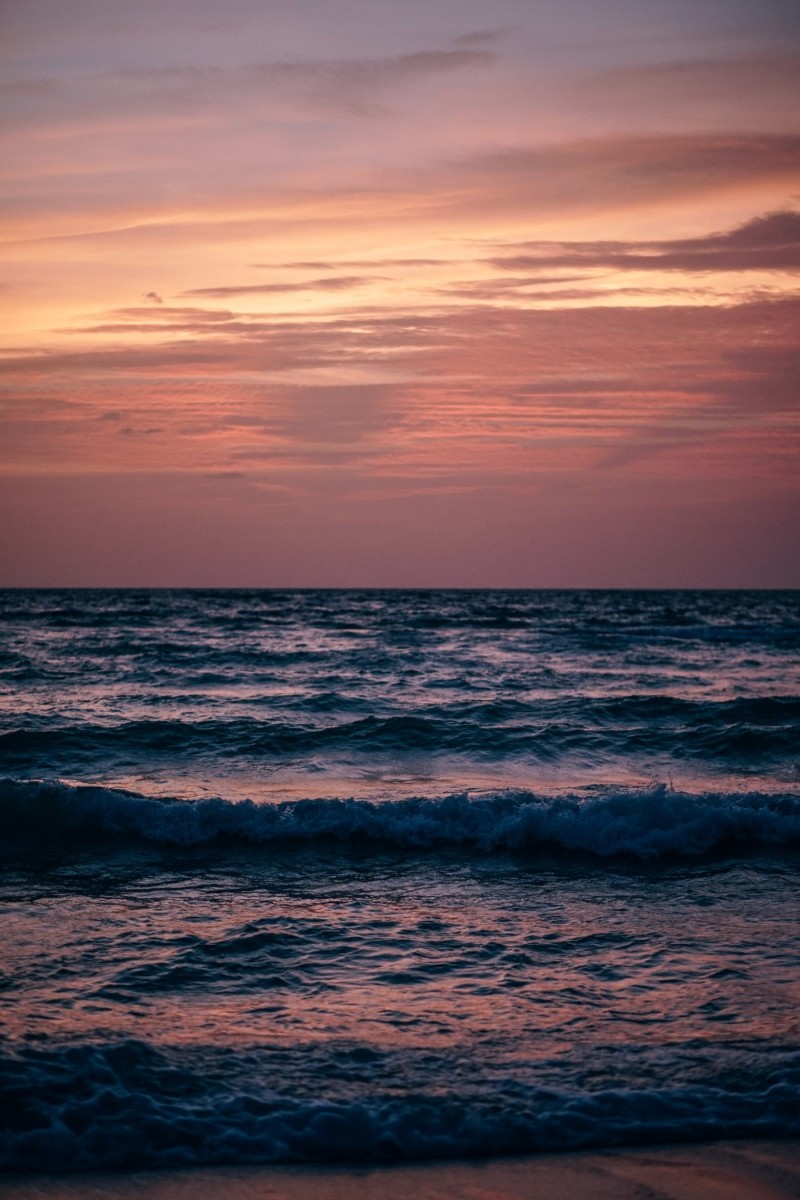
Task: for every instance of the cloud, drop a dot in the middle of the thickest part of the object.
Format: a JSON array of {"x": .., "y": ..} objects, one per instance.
[
  {"x": 609, "y": 174},
  {"x": 153, "y": 297},
  {"x": 356, "y": 84},
  {"x": 359, "y": 262},
  {"x": 770, "y": 242},
  {"x": 172, "y": 319},
  {"x": 505, "y": 288},
  {"x": 330, "y": 283},
  {"x": 313, "y": 422},
  {"x": 750, "y": 401},
  {"x": 564, "y": 181},
  {"x": 739, "y": 92},
  {"x": 484, "y": 37},
  {"x": 352, "y": 85},
  {"x": 763, "y": 379},
  {"x": 479, "y": 397}
]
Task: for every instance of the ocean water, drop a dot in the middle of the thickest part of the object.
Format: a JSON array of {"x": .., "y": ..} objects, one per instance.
[{"x": 366, "y": 876}]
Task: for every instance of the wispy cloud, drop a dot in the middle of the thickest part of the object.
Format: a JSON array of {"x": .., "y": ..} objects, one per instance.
[
  {"x": 770, "y": 242},
  {"x": 360, "y": 86},
  {"x": 329, "y": 283},
  {"x": 719, "y": 91},
  {"x": 374, "y": 263},
  {"x": 565, "y": 181},
  {"x": 614, "y": 173}
]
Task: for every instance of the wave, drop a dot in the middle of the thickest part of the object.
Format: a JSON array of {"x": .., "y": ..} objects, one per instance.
[
  {"x": 131, "y": 1105},
  {"x": 649, "y": 823},
  {"x": 745, "y": 729}
]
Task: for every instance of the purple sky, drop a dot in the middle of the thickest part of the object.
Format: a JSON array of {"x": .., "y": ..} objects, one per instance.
[{"x": 348, "y": 292}]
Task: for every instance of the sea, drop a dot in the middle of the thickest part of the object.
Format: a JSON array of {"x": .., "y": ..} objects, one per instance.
[{"x": 367, "y": 876}]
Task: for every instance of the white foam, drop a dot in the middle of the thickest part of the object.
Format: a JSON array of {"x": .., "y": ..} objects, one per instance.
[{"x": 643, "y": 823}]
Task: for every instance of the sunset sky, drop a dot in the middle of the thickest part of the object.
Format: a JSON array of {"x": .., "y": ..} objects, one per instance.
[{"x": 360, "y": 292}]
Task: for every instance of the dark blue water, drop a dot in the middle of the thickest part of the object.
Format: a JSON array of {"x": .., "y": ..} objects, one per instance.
[{"x": 378, "y": 875}]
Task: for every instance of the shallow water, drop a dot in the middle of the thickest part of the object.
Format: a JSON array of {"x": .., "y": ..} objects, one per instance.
[{"x": 292, "y": 876}]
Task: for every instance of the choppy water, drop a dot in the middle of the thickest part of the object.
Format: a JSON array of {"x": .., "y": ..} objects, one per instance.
[{"x": 364, "y": 875}]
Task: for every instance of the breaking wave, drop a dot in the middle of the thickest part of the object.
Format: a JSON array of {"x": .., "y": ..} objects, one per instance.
[
  {"x": 641, "y": 823},
  {"x": 131, "y": 1104}
]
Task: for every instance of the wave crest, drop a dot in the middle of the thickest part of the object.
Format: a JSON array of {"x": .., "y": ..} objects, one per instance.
[
  {"x": 642, "y": 823},
  {"x": 132, "y": 1105}
]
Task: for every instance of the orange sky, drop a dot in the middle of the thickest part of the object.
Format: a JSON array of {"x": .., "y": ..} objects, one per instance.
[{"x": 355, "y": 293}]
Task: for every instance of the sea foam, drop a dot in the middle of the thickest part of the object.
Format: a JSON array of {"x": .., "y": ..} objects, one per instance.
[
  {"x": 642, "y": 823},
  {"x": 86, "y": 1107}
]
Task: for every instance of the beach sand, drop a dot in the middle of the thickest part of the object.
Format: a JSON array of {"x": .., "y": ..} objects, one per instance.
[{"x": 755, "y": 1170}]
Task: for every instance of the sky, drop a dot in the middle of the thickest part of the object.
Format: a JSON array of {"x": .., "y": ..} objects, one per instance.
[{"x": 332, "y": 293}]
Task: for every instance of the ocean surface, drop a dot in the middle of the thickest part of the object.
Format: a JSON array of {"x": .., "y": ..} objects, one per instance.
[{"x": 367, "y": 876}]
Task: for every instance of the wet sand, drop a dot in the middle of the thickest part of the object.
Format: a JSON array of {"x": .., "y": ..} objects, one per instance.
[{"x": 756, "y": 1170}]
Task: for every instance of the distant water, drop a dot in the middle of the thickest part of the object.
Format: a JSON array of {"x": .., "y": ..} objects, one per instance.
[{"x": 368, "y": 875}]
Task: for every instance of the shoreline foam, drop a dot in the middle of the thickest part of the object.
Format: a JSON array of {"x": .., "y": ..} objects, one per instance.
[{"x": 746, "y": 1170}]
